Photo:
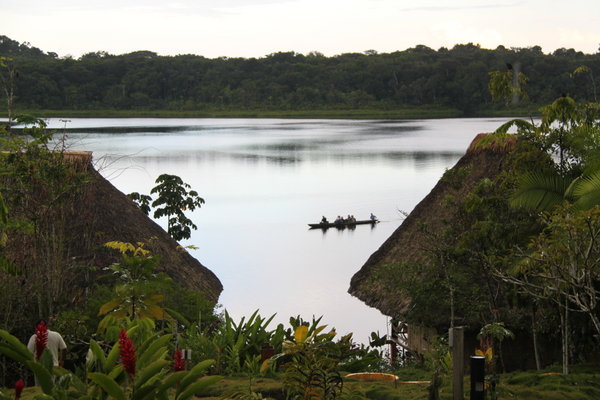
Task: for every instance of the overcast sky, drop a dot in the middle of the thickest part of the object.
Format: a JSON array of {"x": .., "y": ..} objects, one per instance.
[{"x": 255, "y": 28}]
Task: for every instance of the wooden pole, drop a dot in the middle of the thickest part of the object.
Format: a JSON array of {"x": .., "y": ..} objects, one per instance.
[{"x": 458, "y": 362}]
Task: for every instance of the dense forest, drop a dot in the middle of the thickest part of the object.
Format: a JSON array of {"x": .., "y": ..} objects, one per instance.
[{"x": 455, "y": 78}]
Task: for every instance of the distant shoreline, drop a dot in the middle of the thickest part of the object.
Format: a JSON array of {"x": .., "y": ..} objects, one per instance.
[{"x": 401, "y": 113}]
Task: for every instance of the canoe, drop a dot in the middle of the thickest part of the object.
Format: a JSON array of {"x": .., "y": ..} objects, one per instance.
[
  {"x": 373, "y": 376},
  {"x": 342, "y": 225}
]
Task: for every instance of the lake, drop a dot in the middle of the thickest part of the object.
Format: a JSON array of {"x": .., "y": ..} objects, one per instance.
[{"x": 264, "y": 180}]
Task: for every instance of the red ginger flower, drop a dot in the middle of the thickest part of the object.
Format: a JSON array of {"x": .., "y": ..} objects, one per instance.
[
  {"x": 19, "y": 385},
  {"x": 178, "y": 361},
  {"x": 127, "y": 353},
  {"x": 41, "y": 339}
]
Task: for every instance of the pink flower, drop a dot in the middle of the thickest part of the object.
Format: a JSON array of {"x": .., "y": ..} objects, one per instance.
[
  {"x": 19, "y": 385},
  {"x": 178, "y": 361},
  {"x": 127, "y": 353},
  {"x": 41, "y": 339}
]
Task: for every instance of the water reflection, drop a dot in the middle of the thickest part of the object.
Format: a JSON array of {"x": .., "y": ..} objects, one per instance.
[
  {"x": 265, "y": 180},
  {"x": 289, "y": 158}
]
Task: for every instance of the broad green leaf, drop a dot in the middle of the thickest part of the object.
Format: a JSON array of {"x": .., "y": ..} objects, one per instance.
[
  {"x": 98, "y": 353},
  {"x": 16, "y": 345},
  {"x": 44, "y": 376},
  {"x": 171, "y": 380},
  {"x": 131, "y": 331},
  {"x": 156, "y": 348},
  {"x": 109, "y": 306},
  {"x": 196, "y": 387},
  {"x": 116, "y": 371},
  {"x": 319, "y": 329},
  {"x": 179, "y": 317},
  {"x": 151, "y": 370},
  {"x": 11, "y": 353},
  {"x": 196, "y": 372},
  {"x": 112, "y": 358},
  {"x": 148, "y": 391},
  {"x": 108, "y": 384}
]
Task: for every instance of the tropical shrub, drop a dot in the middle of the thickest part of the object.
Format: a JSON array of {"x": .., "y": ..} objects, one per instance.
[
  {"x": 312, "y": 371},
  {"x": 140, "y": 370}
]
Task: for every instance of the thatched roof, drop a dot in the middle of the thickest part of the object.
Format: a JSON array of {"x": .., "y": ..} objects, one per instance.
[
  {"x": 95, "y": 213},
  {"x": 405, "y": 245},
  {"x": 117, "y": 218}
]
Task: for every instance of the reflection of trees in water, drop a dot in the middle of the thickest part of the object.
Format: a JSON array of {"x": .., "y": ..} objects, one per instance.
[{"x": 297, "y": 157}]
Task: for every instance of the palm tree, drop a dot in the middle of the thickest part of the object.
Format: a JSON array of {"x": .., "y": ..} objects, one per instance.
[
  {"x": 542, "y": 191},
  {"x": 570, "y": 132}
]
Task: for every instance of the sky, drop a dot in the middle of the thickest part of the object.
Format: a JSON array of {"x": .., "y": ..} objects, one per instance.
[{"x": 256, "y": 28}]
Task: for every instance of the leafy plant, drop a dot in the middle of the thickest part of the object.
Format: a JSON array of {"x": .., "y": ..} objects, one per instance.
[
  {"x": 312, "y": 373},
  {"x": 439, "y": 361},
  {"x": 135, "y": 295},
  {"x": 127, "y": 372},
  {"x": 173, "y": 199}
]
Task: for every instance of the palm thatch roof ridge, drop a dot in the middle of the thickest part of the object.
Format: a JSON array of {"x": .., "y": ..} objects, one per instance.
[{"x": 485, "y": 158}]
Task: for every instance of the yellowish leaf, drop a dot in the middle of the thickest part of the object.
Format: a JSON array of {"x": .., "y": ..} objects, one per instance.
[
  {"x": 108, "y": 307},
  {"x": 265, "y": 366},
  {"x": 301, "y": 333},
  {"x": 489, "y": 354}
]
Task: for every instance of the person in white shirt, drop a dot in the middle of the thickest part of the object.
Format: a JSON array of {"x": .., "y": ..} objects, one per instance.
[{"x": 55, "y": 344}]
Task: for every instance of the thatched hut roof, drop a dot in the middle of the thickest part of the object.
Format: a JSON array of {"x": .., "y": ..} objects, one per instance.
[
  {"x": 117, "y": 218},
  {"x": 96, "y": 213},
  {"x": 405, "y": 245}
]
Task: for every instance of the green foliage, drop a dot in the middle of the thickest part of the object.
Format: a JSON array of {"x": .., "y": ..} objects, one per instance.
[
  {"x": 507, "y": 86},
  {"x": 235, "y": 346},
  {"x": 136, "y": 297},
  {"x": 495, "y": 331},
  {"x": 439, "y": 361},
  {"x": 419, "y": 77},
  {"x": 42, "y": 189},
  {"x": 312, "y": 372},
  {"x": 564, "y": 261},
  {"x": 173, "y": 199},
  {"x": 541, "y": 191},
  {"x": 142, "y": 200},
  {"x": 153, "y": 379}
]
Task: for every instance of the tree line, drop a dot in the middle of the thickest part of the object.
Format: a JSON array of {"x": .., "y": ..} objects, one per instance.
[{"x": 420, "y": 76}]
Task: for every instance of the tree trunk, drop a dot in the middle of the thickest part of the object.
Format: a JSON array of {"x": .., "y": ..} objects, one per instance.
[
  {"x": 538, "y": 364},
  {"x": 564, "y": 328}
]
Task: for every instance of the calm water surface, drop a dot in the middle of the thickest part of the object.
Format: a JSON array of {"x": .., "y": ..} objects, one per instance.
[{"x": 264, "y": 179}]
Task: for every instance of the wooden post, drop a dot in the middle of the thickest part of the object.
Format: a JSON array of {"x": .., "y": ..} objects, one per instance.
[
  {"x": 393, "y": 347},
  {"x": 458, "y": 361}
]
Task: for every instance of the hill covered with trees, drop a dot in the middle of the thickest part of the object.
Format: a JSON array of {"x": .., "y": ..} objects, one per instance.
[{"x": 455, "y": 78}]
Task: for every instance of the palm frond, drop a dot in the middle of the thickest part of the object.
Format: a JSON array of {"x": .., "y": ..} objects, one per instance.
[
  {"x": 586, "y": 191},
  {"x": 521, "y": 125},
  {"x": 540, "y": 191}
]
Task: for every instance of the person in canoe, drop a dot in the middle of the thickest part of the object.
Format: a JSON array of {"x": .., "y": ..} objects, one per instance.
[
  {"x": 373, "y": 217},
  {"x": 324, "y": 221}
]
